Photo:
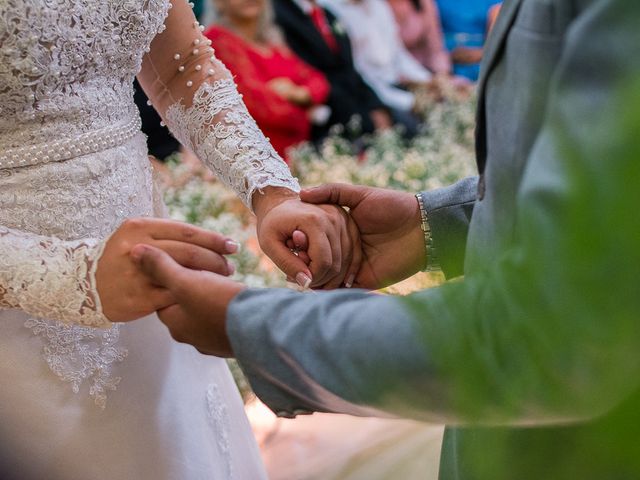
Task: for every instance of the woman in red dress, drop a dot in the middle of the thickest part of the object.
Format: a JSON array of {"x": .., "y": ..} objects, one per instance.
[{"x": 282, "y": 93}]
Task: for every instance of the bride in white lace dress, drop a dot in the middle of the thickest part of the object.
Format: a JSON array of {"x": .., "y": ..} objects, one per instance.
[{"x": 81, "y": 398}]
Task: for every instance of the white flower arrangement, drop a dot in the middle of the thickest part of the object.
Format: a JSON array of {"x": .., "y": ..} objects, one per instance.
[{"x": 442, "y": 153}]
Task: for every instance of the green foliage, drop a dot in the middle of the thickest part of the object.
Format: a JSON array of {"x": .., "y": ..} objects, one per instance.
[{"x": 547, "y": 336}]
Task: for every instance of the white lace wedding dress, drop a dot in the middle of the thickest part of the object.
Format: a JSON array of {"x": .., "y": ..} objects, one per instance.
[{"x": 81, "y": 398}]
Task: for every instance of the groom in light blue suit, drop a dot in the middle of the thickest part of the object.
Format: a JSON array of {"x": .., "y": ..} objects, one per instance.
[{"x": 542, "y": 334}]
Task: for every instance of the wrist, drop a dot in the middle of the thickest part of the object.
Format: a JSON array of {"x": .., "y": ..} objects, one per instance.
[
  {"x": 268, "y": 198},
  {"x": 228, "y": 294}
]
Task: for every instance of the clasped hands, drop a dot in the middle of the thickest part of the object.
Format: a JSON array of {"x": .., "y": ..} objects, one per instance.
[
  {"x": 380, "y": 242},
  {"x": 330, "y": 254}
]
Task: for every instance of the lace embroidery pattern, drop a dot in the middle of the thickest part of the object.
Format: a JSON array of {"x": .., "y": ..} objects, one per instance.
[
  {"x": 75, "y": 354},
  {"x": 87, "y": 197},
  {"x": 66, "y": 68},
  {"x": 220, "y": 131},
  {"x": 219, "y": 419},
  {"x": 44, "y": 277}
]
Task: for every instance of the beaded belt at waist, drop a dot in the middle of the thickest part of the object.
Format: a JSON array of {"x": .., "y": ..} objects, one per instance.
[{"x": 68, "y": 148}]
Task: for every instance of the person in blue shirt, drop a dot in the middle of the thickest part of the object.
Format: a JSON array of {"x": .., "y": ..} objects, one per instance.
[{"x": 465, "y": 24}]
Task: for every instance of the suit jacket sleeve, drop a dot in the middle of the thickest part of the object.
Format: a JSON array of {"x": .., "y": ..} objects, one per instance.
[
  {"x": 536, "y": 337},
  {"x": 449, "y": 212}
]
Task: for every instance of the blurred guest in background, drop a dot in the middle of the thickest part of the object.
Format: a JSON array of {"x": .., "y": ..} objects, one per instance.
[
  {"x": 314, "y": 34},
  {"x": 419, "y": 27},
  {"x": 466, "y": 24},
  {"x": 283, "y": 94},
  {"x": 381, "y": 57}
]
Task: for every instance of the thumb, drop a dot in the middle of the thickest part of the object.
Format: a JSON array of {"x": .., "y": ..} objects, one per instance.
[
  {"x": 293, "y": 266},
  {"x": 341, "y": 194},
  {"x": 157, "y": 265}
]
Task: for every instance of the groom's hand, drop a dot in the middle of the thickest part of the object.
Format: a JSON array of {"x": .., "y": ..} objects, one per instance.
[
  {"x": 199, "y": 315},
  {"x": 390, "y": 230}
]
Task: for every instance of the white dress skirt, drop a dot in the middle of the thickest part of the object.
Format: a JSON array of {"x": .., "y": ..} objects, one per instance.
[{"x": 124, "y": 403}]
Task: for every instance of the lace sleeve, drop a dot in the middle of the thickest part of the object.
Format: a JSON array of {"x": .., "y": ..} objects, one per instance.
[
  {"x": 50, "y": 278},
  {"x": 197, "y": 98}
]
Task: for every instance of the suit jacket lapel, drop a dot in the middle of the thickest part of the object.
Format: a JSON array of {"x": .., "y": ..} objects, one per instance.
[
  {"x": 496, "y": 39},
  {"x": 492, "y": 53}
]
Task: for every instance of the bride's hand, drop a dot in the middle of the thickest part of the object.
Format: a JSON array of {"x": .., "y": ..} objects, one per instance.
[
  {"x": 332, "y": 252},
  {"x": 125, "y": 293}
]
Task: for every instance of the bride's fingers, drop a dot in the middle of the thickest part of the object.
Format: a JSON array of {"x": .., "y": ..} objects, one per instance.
[
  {"x": 287, "y": 261},
  {"x": 195, "y": 257},
  {"x": 323, "y": 255},
  {"x": 346, "y": 246},
  {"x": 161, "y": 229},
  {"x": 338, "y": 242}
]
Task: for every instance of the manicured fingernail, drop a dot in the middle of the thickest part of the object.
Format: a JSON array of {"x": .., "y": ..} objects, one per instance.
[
  {"x": 231, "y": 268},
  {"x": 350, "y": 280},
  {"x": 232, "y": 246},
  {"x": 303, "y": 280}
]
